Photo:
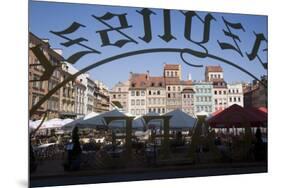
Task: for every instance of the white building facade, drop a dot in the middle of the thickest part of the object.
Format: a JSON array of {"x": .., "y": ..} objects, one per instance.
[
  {"x": 235, "y": 94},
  {"x": 137, "y": 94},
  {"x": 156, "y": 95}
]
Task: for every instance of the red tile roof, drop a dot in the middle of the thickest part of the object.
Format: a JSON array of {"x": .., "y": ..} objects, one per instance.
[
  {"x": 156, "y": 81},
  {"x": 172, "y": 66},
  {"x": 139, "y": 80},
  {"x": 213, "y": 69}
]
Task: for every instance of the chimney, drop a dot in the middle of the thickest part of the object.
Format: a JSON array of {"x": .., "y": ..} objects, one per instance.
[{"x": 147, "y": 75}]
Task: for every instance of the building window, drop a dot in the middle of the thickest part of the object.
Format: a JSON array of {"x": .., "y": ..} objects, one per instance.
[
  {"x": 137, "y": 93},
  {"x": 224, "y": 92},
  {"x": 169, "y": 95},
  {"x": 158, "y": 92},
  {"x": 132, "y": 93},
  {"x": 234, "y": 99},
  {"x": 142, "y": 102},
  {"x": 230, "y": 99},
  {"x": 133, "y": 112},
  {"x": 174, "y": 88},
  {"x": 169, "y": 88},
  {"x": 133, "y": 102},
  {"x": 179, "y": 88},
  {"x": 238, "y": 99},
  {"x": 215, "y": 92},
  {"x": 149, "y": 92},
  {"x": 219, "y": 92},
  {"x": 142, "y": 93},
  {"x": 137, "y": 102}
]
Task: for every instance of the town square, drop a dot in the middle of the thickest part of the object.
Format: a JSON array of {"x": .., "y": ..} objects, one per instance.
[{"x": 182, "y": 99}]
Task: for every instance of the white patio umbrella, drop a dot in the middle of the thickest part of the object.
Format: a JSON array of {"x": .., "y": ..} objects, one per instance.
[
  {"x": 72, "y": 124},
  {"x": 66, "y": 121},
  {"x": 155, "y": 123},
  {"x": 34, "y": 124},
  {"x": 90, "y": 115},
  {"x": 138, "y": 123},
  {"x": 98, "y": 120},
  {"x": 181, "y": 120},
  {"x": 202, "y": 113},
  {"x": 52, "y": 123}
]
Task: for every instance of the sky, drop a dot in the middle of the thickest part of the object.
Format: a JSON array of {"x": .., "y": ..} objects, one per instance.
[{"x": 49, "y": 16}]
